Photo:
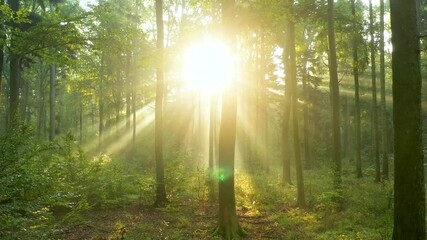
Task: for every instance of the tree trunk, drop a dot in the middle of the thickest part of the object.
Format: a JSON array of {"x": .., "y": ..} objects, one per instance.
[
  {"x": 41, "y": 103},
  {"x": 101, "y": 103},
  {"x": 133, "y": 113},
  {"x": 52, "y": 95},
  {"x": 346, "y": 127},
  {"x": 26, "y": 113},
  {"x": 118, "y": 100},
  {"x": 14, "y": 75},
  {"x": 298, "y": 160},
  {"x": 374, "y": 98},
  {"x": 2, "y": 39},
  {"x": 307, "y": 137},
  {"x": 383, "y": 103},
  {"x": 229, "y": 227},
  {"x": 294, "y": 101},
  {"x": 264, "y": 112},
  {"x": 286, "y": 153},
  {"x": 334, "y": 91},
  {"x": 212, "y": 141},
  {"x": 160, "y": 171},
  {"x": 258, "y": 102},
  {"x": 81, "y": 121},
  {"x": 356, "y": 94},
  {"x": 409, "y": 192},
  {"x": 128, "y": 91},
  {"x": 14, "y": 90}
]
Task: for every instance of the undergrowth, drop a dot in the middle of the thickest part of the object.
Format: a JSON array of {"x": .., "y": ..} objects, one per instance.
[{"x": 50, "y": 190}]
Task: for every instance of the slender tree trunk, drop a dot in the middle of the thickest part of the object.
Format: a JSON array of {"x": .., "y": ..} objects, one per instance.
[
  {"x": 52, "y": 102},
  {"x": 133, "y": 113},
  {"x": 346, "y": 132},
  {"x": 286, "y": 153},
  {"x": 374, "y": 98},
  {"x": 334, "y": 91},
  {"x": 160, "y": 175},
  {"x": 101, "y": 103},
  {"x": 81, "y": 122},
  {"x": 356, "y": 94},
  {"x": 229, "y": 227},
  {"x": 41, "y": 103},
  {"x": 14, "y": 90},
  {"x": 294, "y": 102},
  {"x": 52, "y": 94},
  {"x": 7, "y": 106},
  {"x": 118, "y": 100},
  {"x": 128, "y": 90},
  {"x": 26, "y": 106},
  {"x": 307, "y": 138},
  {"x": 14, "y": 75},
  {"x": 212, "y": 123},
  {"x": 266, "y": 141},
  {"x": 264, "y": 112},
  {"x": 298, "y": 160},
  {"x": 2, "y": 39},
  {"x": 383, "y": 103},
  {"x": 258, "y": 99},
  {"x": 92, "y": 116},
  {"x": 409, "y": 192}
]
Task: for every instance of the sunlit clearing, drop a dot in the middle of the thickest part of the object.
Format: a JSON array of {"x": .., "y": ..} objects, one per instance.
[{"x": 207, "y": 66}]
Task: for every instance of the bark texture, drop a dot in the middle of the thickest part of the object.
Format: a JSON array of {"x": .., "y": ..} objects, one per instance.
[
  {"x": 409, "y": 192},
  {"x": 229, "y": 227},
  {"x": 160, "y": 175},
  {"x": 334, "y": 91}
]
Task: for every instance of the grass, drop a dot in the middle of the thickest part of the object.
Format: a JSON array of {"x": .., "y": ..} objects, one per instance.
[{"x": 266, "y": 209}]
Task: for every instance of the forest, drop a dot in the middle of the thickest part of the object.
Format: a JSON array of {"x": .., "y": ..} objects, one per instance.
[{"x": 212, "y": 119}]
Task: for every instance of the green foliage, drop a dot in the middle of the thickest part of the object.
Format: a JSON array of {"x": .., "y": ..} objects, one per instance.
[
  {"x": 330, "y": 213},
  {"x": 43, "y": 182},
  {"x": 183, "y": 182},
  {"x": 24, "y": 182}
]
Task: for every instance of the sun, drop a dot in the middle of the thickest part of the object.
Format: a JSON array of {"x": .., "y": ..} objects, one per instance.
[{"x": 207, "y": 66}]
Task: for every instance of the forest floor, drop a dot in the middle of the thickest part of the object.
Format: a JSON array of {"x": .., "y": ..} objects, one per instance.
[
  {"x": 361, "y": 210},
  {"x": 186, "y": 221}
]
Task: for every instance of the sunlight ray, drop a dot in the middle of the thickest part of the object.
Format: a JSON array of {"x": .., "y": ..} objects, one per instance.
[
  {"x": 126, "y": 139},
  {"x": 249, "y": 134},
  {"x": 145, "y": 112}
]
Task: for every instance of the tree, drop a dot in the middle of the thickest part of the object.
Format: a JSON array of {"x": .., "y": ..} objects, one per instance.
[
  {"x": 2, "y": 43},
  {"x": 334, "y": 92},
  {"x": 212, "y": 146},
  {"x": 383, "y": 103},
  {"x": 14, "y": 73},
  {"x": 356, "y": 92},
  {"x": 160, "y": 178},
  {"x": 409, "y": 192},
  {"x": 307, "y": 133},
  {"x": 229, "y": 227},
  {"x": 53, "y": 80},
  {"x": 286, "y": 153},
  {"x": 52, "y": 101},
  {"x": 101, "y": 101},
  {"x": 294, "y": 100},
  {"x": 375, "y": 143}
]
